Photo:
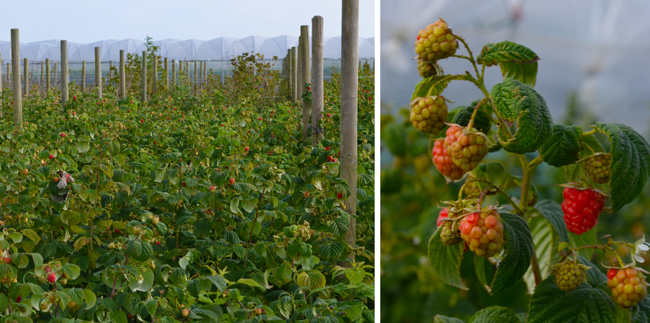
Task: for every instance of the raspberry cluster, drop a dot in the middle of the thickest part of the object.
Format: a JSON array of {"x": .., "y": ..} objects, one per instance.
[
  {"x": 569, "y": 275},
  {"x": 469, "y": 149},
  {"x": 483, "y": 232},
  {"x": 428, "y": 114},
  {"x": 628, "y": 286},
  {"x": 449, "y": 234},
  {"x": 597, "y": 167},
  {"x": 443, "y": 162},
  {"x": 581, "y": 208},
  {"x": 435, "y": 42}
]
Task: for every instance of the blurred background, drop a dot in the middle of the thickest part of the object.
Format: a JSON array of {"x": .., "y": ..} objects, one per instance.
[{"x": 594, "y": 67}]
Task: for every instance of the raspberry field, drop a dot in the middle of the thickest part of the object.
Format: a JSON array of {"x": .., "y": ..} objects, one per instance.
[
  {"x": 495, "y": 211},
  {"x": 200, "y": 205}
]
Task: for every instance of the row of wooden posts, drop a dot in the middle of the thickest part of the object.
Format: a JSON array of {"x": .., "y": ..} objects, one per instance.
[
  {"x": 45, "y": 76},
  {"x": 297, "y": 68}
]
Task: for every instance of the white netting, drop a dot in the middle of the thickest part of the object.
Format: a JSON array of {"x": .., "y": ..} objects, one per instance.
[{"x": 222, "y": 48}]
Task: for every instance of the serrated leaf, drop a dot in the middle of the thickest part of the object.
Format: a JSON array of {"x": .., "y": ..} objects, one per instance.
[
  {"x": 249, "y": 282},
  {"x": 630, "y": 165},
  {"x": 550, "y": 304},
  {"x": 90, "y": 298},
  {"x": 83, "y": 146},
  {"x": 446, "y": 260},
  {"x": 519, "y": 252},
  {"x": 312, "y": 279},
  {"x": 424, "y": 86},
  {"x": 494, "y": 173},
  {"x": 445, "y": 319},
  {"x": 564, "y": 146},
  {"x": 505, "y": 52},
  {"x": 543, "y": 238},
  {"x": 553, "y": 213},
  {"x": 520, "y": 103},
  {"x": 495, "y": 314},
  {"x": 522, "y": 72}
]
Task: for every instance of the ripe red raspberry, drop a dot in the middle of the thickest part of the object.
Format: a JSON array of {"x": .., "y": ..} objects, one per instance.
[
  {"x": 435, "y": 42},
  {"x": 569, "y": 275},
  {"x": 429, "y": 114},
  {"x": 628, "y": 286},
  {"x": 483, "y": 232},
  {"x": 443, "y": 162},
  {"x": 597, "y": 167},
  {"x": 51, "y": 277},
  {"x": 469, "y": 149},
  {"x": 581, "y": 208}
]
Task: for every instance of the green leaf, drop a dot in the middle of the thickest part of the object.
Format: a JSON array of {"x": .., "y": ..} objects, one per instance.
[
  {"x": 522, "y": 72},
  {"x": 543, "y": 239},
  {"x": 553, "y": 213},
  {"x": 520, "y": 103},
  {"x": 444, "y": 319},
  {"x": 90, "y": 298},
  {"x": 495, "y": 314},
  {"x": 249, "y": 282},
  {"x": 423, "y": 87},
  {"x": 463, "y": 114},
  {"x": 505, "y": 52},
  {"x": 630, "y": 163},
  {"x": 446, "y": 260},
  {"x": 519, "y": 252},
  {"x": 550, "y": 304},
  {"x": 83, "y": 146},
  {"x": 312, "y": 279},
  {"x": 494, "y": 173},
  {"x": 139, "y": 250},
  {"x": 480, "y": 267},
  {"x": 564, "y": 146}
]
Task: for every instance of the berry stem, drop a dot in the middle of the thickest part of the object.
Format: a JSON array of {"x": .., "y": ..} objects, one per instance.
[
  {"x": 470, "y": 125},
  {"x": 471, "y": 56},
  {"x": 588, "y": 133}
]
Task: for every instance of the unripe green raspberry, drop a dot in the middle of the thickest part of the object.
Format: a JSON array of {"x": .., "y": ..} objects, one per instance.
[
  {"x": 569, "y": 275},
  {"x": 436, "y": 42},
  {"x": 426, "y": 68},
  {"x": 429, "y": 114},
  {"x": 597, "y": 167},
  {"x": 469, "y": 149}
]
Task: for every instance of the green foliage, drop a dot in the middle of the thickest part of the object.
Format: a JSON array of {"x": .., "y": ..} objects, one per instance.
[
  {"x": 449, "y": 282},
  {"x": 200, "y": 205}
]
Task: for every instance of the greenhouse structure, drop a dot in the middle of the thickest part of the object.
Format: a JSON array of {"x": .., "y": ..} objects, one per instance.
[{"x": 217, "y": 52}]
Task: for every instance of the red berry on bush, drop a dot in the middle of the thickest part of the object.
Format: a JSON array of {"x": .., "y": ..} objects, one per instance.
[
  {"x": 339, "y": 195},
  {"x": 51, "y": 277},
  {"x": 7, "y": 260},
  {"x": 18, "y": 299},
  {"x": 469, "y": 149},
  {"x": 329, "y": 115},
  {"x": 51, "y": 156},
  {"x": 483, "y": 232},
  {"x": 444, "y": 163},
  {"x": 581, "y": 208},
  {"x": 246, "y": 148},
  {"x": 231, "y": 181},
  {"x": 327, "y": 148},
  {"x": 63, "y": 134},
  {"x": 444, "y": 214}
]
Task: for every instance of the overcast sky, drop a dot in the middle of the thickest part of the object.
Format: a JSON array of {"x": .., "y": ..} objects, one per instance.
[{"x": 86, "y": 21}]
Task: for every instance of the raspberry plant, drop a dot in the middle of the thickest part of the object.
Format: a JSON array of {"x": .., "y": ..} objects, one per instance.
[
  {"x": 191, "y": 207},
  {"x": 513, "y": 118}
]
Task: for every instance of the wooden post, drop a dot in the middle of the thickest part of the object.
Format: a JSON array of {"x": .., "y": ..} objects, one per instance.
[
  {"x": 55, "y": 72},
  {"x": 155, "y": 76},
  {"x": 349, "y": 98},
  {"x": 305, "y": 77},
  {"x": 122, "y": 75},
  {"x": 64, "y": 72},
  {"x": 317, "y": 90},
  {"x": 41, "y": 80},
  {"x": 83, "y": 77},
  {"x": 195, "y": 79},
  {"x": 47, "y": 76},
  {"x": 26, "y": 76},
  {"x": 98, "y": 71},
  {"x": 144, "y": 76},
  {"x": 299, "y": 72},
  {"x": 15, "y": 71},
  {"x": 166, "y": 74},
  {"x": 174, "y": 73},
  {"x": 294, "y": 74}
]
